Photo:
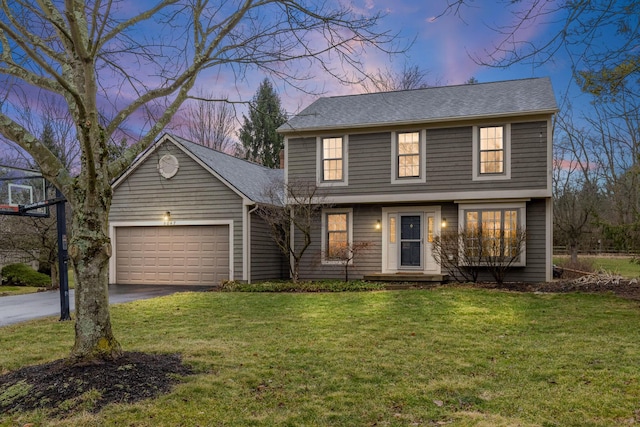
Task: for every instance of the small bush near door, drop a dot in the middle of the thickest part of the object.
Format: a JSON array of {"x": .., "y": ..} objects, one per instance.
[{"x": 23, "y": 275}]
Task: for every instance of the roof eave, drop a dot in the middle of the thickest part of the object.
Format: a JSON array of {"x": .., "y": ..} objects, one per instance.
[{"x": 549, "y": 111}]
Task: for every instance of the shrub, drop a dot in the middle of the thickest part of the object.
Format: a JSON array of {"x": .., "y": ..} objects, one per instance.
[{"x": 23, "y": 275}]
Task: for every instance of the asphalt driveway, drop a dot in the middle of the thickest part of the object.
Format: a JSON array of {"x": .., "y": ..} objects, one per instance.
[{"x": 19, "y": 308}]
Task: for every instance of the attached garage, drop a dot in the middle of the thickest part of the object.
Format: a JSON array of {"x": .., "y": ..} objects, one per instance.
[
  {"x": 176, "y": 255},
  {"x": 184, "y": 214}
]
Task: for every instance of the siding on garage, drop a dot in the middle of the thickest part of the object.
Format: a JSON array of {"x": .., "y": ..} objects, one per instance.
[
  {"x": 267, "y": 261},
  {"x": 192, "y": 195},
  {"x": 184, "y": 255}
]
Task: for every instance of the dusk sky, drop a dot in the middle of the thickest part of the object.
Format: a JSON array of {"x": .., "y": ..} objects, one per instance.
[{"x": 444, "y": 46}]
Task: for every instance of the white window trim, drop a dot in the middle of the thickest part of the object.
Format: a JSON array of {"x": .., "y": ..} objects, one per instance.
[
  {"x": 477, "y": 176},
  {"x": 522, "y": 220},
  {"x": 394, "y": 159},
  {"x": 349, "y": 212},
  {"x": 345, "y": 162}
]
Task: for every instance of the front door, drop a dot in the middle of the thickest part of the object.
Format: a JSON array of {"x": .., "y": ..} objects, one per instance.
[
  {"x": 411, "y": 241},
  {"x": 408, "y": 234}
]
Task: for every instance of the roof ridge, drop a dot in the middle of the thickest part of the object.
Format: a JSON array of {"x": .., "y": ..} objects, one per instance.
[{"x": 433, "y": 87}]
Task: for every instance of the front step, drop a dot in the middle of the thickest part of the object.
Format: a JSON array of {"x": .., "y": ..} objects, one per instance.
[{"x": 406, "y": 278}]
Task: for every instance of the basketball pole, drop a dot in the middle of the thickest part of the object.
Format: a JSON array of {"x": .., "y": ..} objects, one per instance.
[{"x": 63, "y": 259}]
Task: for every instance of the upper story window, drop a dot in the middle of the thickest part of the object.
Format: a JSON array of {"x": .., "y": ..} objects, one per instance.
[
  {"x": 491, "y": 149},
  {"x": 407, "y": 157},
  {"x": 491, "y": 152},
  {"x": 332, "y": 159}
]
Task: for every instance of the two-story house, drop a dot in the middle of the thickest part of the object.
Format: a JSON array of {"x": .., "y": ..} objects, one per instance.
[{"x": 397, "y": 167}]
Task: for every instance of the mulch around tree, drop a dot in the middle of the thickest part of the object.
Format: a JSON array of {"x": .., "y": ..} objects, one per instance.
[{"x": 63, "y": 388}]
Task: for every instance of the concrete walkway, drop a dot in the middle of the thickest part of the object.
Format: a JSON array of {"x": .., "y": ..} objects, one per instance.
[{"x": 19, "y": 308}]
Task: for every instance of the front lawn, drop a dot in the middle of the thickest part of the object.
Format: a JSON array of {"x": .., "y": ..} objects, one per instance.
[{"x": 450, "y": 356}]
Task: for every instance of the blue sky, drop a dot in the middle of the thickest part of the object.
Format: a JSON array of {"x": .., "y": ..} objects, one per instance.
[{"x": 444, "y": 46}]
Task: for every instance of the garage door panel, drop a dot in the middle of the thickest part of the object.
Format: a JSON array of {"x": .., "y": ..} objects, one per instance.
[{"x": 172, "y": 255}]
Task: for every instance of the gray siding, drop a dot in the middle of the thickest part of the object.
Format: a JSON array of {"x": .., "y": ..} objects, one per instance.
[
  {"x": 368, "y": 261},
  {"x": 301, "y": 159},
  {"x": 535, "y": 270},
  {"x": 536, "y": 246},
  {"x": 365, "y": 217},
  {"x": 192, "y": 194},
  {"x": 267, "y": 261},
  {"x": 448, "y": 162}
]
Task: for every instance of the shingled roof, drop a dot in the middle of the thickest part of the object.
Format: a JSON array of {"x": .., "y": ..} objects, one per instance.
[
  {"x": 433, "y": 104},
  {"x": 251, "y": 179}
]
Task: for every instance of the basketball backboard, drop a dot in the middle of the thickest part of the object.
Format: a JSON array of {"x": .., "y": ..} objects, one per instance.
[{"x": 21, "y": 187}]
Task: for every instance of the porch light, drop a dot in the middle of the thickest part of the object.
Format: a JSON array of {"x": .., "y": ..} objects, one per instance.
[
  {"x": 167, "y": 217},
  {"x": 443, "y": 224},
  {"x": 378, "y": 225}
]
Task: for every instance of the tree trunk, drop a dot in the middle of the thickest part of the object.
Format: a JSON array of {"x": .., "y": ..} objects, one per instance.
[
  {"x": 89, "y": 251},
  {"x": 573, "y": 251}
]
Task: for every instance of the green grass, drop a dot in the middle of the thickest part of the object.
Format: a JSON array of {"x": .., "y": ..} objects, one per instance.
[
  {"x": 450, "y": 356},
  {"x": 18, "y": 290},
  {"x": 621, "y": 265}
]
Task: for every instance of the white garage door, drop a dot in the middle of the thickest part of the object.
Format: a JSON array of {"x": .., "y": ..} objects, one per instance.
[{"x": 172, "y": 255}]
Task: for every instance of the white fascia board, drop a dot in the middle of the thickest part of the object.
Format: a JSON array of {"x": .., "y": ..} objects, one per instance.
[
  {"x": 444, "y": 120},
  {"x": 437, "y": 197}
]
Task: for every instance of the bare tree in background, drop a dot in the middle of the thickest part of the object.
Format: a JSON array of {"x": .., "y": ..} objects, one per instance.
[
  {"x": 46, "y": 116},
  {"x": 573, "y": 29},
  {"x": 99, "y": 55},
  {"x": 388, "y": 80},
  {"x": 211, "y": 121},
  {"x": 574, "y": 182}
]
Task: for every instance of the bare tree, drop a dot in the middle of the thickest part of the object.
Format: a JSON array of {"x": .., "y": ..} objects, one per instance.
[
  {"x": 46, "y": 116},
  {"x": 449, "y": 251},
  {"x": 465, "y": 253},
  {"x": 596, "y": 175},
  {"x": 95, "y": 54},
  {"x": 573, "y": 29},
  {"x": 387, "y": 80},
  {"x": 347, "y": 253},
  {"x": 499, "y": 254},
  {"x": 211, "y": 121},
  {"x": 293, "y": 209},
  {"x": 574, "y": 183}
]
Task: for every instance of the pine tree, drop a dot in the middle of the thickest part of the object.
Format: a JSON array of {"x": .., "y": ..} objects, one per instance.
[{"x": 261, "y": 142}]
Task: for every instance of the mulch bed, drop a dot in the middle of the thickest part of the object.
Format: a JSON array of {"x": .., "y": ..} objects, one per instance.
[
  {"x": 624, "y": 288},
  {"x": 63, "y": 387}
]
